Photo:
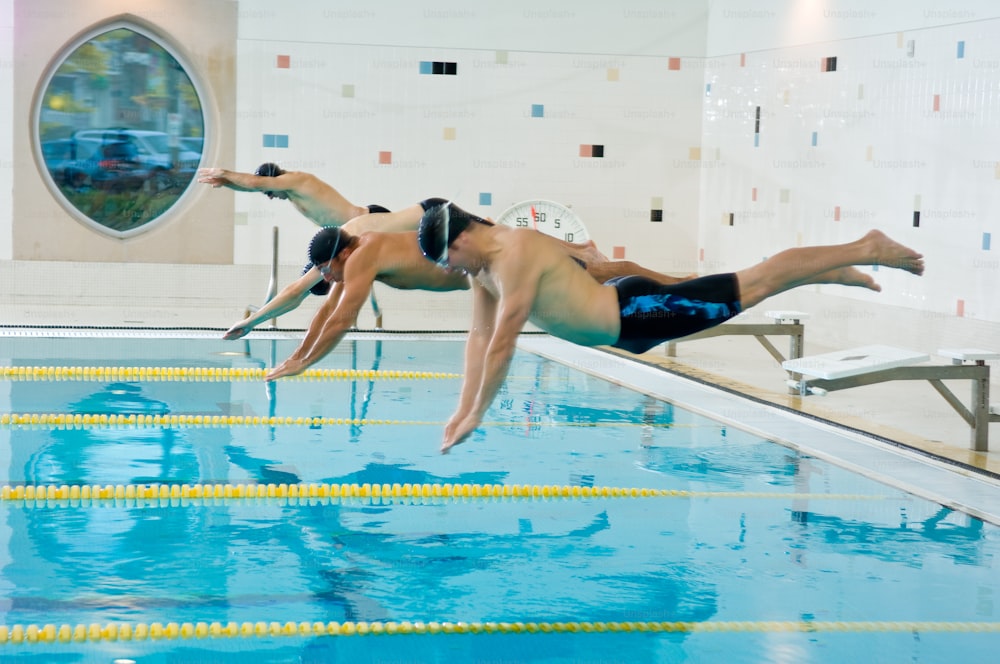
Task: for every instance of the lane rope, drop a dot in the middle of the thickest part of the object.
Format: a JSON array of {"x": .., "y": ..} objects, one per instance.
[
  {"x": 179, "y": 495},
  {"x": 103, "y": 420},
  {"x": 158, "y": 631},
  {"x": 43, "y": 373}
]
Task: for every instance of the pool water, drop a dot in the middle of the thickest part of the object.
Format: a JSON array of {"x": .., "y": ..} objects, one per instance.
[{"x": 755, "y": 533}]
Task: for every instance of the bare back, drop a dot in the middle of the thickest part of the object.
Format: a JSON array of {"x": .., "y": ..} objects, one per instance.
[
  {"x": 399, "y": 263},
  {"x": 401, "y": 221},
  {"x": 567, "y": 302}
]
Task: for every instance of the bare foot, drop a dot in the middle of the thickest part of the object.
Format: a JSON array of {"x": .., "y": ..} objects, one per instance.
[
  {"x": 890, "y": 253},
  {"x": 849, "y": 276}
]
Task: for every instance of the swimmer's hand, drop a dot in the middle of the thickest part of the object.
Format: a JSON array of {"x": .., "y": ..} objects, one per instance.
[
  {"x": 289, "y": 367},
  {"x": 237, "y": 331},
  {"x": 213, "y": 176},
  {"x": 458, "y": 430}
]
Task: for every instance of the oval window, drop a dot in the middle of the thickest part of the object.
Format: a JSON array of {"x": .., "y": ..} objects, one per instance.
[{"x": 120, "y": 129}]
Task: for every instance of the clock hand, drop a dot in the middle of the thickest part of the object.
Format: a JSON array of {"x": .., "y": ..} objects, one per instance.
[{"x": 534, "y": 217}]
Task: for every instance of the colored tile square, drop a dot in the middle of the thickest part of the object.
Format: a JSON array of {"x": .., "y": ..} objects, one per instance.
[
  {"x": 385, "y": 157},
  {"x": 268, "y": 140},
  {"x": 937, "y": 103},
  {"x": 743, "y": 59},
  {"x": 986, "y": 241},
  {"x": 597, "y": 151},
  {"x": 960, "y": 51},
  {"x": 708, "y": 88},
  {"x": 694, "y": 153},
  {"x": 753, "y": 194},
  {"x": 960, "y": 308},
  {"x": 426, "y": 67},
  {"x": 501, "y": 57},
  {"x": 347, "y": 90},
  {"x": 815, "y": 138},
  {"x": 756, "y": 140},
  {"x": 836, "y": 213},
  {"x": 538, "y": 110},
  {"x": 828, "y": 64},
  {"x": 451, "y": 68},
  {"x": 586, "y": 150},
  {"x": 437, "y": 68},
  {"x": 449, "y": 133},
  {"x": 701, "y": 255},
  {"x": 674, "y": 64},
  {"x": 916, "y": 218},
  {"x": 284, "y": 61},
  {"x": 618, "y": 253},
  {"x": 485, "y": 198},
  {"x": 656, "y": 215},
  {"x": 281, "y": 141},
  {"x": 613, "y": 74}
]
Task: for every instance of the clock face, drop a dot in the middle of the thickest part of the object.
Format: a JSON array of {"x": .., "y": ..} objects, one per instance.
[{"x": 547, "y": 217}]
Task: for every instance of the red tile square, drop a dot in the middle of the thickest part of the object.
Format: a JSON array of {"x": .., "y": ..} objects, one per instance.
[
  {"x": 836, "y": 213},
  {"x": 284, "y": 61},
  {"x": 586, "y": 150},
  {"x": 674, "y": 64},
  {"x": 743, "y": 59},
  {"x": 937, "y": 102},
  {"x": 385, "y": 157},
  {"x": 960, "y": 308},
  {"x": 753, "y": 194},
  {"x": 618, "y": 253}
]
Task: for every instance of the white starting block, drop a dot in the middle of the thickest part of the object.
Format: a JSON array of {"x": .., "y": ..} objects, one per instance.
[
  {"x": 786, "y": 323},
  {"x": 877, "y": 364}
]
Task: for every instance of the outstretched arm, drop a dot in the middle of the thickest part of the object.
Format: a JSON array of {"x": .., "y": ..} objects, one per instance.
[
  {"x": 290, "y": 297},
  {"x": 220, "y": 177},
  {"x": 333, "y": 320},
  {"x": 491, "y": 346}
]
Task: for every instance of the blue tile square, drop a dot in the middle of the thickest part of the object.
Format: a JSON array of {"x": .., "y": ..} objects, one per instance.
[
  {"x": 485, "y": 198},
  {"x": 538, "y": 110},
  {"x": 986, "y": 241},
  {"x": 708, "y": 88},
  {"x": 815, "y": 138},
  {"x": 756, "y": 140},
  {"x": 281, "y": 141},
  {"x": 426, "y": 67},
  {"x": 961, "y": 50},
  {"x": 268, "y": 140}
]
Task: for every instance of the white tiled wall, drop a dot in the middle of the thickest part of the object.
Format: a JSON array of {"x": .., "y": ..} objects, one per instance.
[{"x": 670, "y": 90}]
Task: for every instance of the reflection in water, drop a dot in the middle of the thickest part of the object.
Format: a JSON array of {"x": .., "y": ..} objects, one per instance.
[{"x": 120, "y": 129}]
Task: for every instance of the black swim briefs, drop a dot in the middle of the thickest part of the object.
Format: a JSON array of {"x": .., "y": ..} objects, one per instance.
[{"x": 652, "y": 313}]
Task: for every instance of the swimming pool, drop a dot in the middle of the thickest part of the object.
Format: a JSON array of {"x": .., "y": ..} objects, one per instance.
[{"x": 189, "y": 513}]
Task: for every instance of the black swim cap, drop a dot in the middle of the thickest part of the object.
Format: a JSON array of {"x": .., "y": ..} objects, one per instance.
[
  {"x": 269, "y": 170},
  {"x": 326, "y": 244},
  {"x": 439, "y": 227},
  {"x": 321, "y": 287}
]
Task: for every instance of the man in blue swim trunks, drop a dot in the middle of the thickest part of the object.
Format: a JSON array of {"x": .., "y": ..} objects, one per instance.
[{"x": 520, "y": 276}]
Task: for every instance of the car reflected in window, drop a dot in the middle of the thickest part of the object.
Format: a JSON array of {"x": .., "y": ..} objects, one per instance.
[{"x": 120, "y": 129}]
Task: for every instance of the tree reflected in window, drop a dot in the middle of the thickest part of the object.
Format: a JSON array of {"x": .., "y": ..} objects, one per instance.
[{"x": 120, "y": 130}]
